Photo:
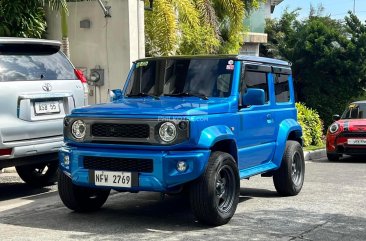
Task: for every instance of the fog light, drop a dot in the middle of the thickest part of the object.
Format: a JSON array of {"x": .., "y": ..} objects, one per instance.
[
  {"x": 66, "y": 160},
  {"x": 182, "y": 166}
]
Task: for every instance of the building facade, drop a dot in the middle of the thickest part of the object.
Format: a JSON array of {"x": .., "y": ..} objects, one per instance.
[{"x": 255, "y": 24}]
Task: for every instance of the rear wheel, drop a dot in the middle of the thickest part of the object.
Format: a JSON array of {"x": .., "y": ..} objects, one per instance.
[
  {"x": 333, "y": 157},
  {"x": 39, "y": 175},
  {"x": 289, "y": 178},
  {"x": 215, "y": 195},
  {"x": 80, "y": 199}
]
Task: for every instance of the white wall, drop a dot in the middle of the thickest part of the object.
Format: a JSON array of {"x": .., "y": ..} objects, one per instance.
[{"x": 111, "y": 43}]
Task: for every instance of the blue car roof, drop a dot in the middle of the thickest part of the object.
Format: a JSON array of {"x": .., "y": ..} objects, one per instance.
[{"x": 235, "y": 57}]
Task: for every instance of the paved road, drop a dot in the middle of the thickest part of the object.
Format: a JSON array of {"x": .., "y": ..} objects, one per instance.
[{"x": 331, "y": 206}]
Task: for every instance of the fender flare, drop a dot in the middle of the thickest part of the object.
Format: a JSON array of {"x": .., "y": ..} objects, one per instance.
[
  {"x": 213, "y": 134},
  {"x": 285, "y": 128}
]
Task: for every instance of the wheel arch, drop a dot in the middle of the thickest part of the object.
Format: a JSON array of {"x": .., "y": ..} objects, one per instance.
[
  {"x": 289, "y": 129},
  {"x": 228, "y": 146}
]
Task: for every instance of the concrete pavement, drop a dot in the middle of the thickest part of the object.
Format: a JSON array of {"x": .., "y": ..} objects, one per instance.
[{"x": 331, "y": 206}]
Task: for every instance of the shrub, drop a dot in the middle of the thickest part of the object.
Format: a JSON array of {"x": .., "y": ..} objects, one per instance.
[{"x": 312, "y": 125}]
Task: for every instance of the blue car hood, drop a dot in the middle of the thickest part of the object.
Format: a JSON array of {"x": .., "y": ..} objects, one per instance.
[{"x": 165, "y": 106}]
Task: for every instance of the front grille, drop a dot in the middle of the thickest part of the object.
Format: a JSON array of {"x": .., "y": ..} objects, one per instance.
[
  {"x": 354, "y": 151},
  {"x": 120, "y": 130},
  {"x": 118, "y": 164}
]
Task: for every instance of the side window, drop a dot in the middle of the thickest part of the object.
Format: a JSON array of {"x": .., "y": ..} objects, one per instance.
[
  {"x": 254, "y": 79},
  {"x": 282, "y": 90}
]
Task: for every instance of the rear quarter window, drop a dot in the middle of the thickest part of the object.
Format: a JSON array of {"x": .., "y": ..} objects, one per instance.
[{"x": 33, "y": 62}]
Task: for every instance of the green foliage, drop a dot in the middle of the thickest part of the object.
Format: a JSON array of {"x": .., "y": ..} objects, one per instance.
[
  {"x": 19, "y": 18},
  {"x": 312, "y": 126},
  {"x": 196, "y": 26},
  {"x": 328, "y": 57}
]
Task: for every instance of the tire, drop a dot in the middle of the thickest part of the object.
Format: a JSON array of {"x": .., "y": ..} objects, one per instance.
[
  {"x": 80, "y": 199},
  {"x": 213, "y": 202},
  {"x": 39, "y": 175},
  {"x": 289, "y": 178},
  {"x": 333, "y": 157}
]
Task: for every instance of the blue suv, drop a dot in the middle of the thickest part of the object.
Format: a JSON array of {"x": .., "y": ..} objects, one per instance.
[{"x": 196, "y": 123}]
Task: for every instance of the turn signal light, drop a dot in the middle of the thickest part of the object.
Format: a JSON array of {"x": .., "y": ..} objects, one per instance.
[{"x": 5, "y": 152}]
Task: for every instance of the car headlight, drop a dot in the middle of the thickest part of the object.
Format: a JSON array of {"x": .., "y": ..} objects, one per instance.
[
  {"x": 167, "y": 132},
  {"x": 78, "y": 129},
  {"x": 334, "y": 128}
]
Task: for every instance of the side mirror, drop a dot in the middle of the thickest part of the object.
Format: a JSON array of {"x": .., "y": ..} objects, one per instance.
[
  {"x": 336, "y": 117},
  {"x": 115, "y": 95},
  {"x": 253, "y": 97}
]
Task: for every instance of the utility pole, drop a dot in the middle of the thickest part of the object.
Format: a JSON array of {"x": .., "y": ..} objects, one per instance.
[{"x": 354, "y": 6}]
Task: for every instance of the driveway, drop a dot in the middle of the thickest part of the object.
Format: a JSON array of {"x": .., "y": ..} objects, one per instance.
[{"x": 331, "y": 206}]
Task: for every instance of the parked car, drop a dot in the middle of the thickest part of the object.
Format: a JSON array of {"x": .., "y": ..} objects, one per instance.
[
  {"x": 38, "y": 87},
  {"x": 186, "y": 123},
  {"x": 347, "y": 135}
]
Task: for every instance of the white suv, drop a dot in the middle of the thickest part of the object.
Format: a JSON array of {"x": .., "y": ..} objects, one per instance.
[{"x": 38, "y": 87}]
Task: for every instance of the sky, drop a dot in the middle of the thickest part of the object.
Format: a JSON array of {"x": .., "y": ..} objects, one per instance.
[{"x": 335, "y": 8}]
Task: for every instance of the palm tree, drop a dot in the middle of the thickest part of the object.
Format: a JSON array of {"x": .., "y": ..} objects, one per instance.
[{"x": 196, "y": 26}]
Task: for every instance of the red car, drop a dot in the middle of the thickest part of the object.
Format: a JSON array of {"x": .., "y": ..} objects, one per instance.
[{"x": 347, "y": 135}]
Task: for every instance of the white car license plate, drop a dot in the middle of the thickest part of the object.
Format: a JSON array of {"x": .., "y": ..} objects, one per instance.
[
  {"x": 356, "y": 141},
  {"x": 47, "y": 107},
  {"x": 112, "y": 179}
]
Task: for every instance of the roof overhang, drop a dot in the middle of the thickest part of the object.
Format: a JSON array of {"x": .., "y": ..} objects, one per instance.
[{"x": 274, "y": 3}]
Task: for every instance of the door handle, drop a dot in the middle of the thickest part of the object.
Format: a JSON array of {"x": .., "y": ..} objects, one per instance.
[{"x": 269, "y": 118}]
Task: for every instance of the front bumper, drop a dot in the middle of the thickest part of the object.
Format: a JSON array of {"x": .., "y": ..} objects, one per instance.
[
  {"x": 163, "y": 176},
  {"x": 339, "y": 144}
]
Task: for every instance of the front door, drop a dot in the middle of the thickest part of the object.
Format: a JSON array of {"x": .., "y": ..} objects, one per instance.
[{"x": 256, "y": 141}]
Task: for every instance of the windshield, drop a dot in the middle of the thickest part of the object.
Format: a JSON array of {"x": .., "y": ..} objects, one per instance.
[
  {"x": 182, "y": 77},
  {"x": 355, "y": 111}
]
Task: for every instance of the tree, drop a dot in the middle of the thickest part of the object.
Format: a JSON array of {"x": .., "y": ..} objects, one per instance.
[
  {"x": 196, "y": 26},
  {"x": 328, "y": 59},
  {"x": 20, "y": 18}
]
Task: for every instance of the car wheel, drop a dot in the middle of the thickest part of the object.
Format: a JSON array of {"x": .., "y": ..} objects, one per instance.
[
  {"x": 39, "y": 175},
  {"x": 333, "y": 157},
  {"x": 215, "y": 195},
  {"x": 80, "y": 199},
  {"x": 289, "y": 178}
]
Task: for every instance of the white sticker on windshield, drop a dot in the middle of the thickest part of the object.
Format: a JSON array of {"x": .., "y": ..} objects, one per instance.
[{"x": 230, "y": 67}]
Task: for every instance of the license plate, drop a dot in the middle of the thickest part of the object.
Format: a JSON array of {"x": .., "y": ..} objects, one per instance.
[
  {"x": 47, "y": 107},
  {"x": 112, "y": 179},
  {"x": 356, "y": 141}
]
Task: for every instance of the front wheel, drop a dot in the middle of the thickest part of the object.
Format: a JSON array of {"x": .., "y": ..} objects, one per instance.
[
  {"x": 38, "y": 175},
  {"x": 215, "y": 195},
  {"x": 80, "y": 199},
  {"x": 289, "y": 178}
]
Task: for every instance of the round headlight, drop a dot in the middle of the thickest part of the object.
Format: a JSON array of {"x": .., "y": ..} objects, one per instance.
[
  {"x": 167, "y": 132},
  {"x": 333, "y": 128},
  {"x": 78, "y": 129}
]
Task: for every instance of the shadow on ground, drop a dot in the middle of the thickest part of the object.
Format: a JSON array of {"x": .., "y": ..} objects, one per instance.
[
  {"x": 16, "y": 189},
  {"x": 345, "y": 159},
  {"x": 144, "y": 216}
]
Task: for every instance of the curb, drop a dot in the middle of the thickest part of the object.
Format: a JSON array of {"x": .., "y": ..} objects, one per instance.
[
  {"x": 314, "y": 155},
  {"x": 8, "y": 170}
]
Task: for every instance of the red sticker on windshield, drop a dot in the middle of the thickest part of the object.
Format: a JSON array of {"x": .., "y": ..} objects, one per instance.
[{"x": 230, "y": 67}]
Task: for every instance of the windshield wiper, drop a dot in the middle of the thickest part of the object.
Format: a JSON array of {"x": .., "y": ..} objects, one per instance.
[
  {"x": 202, "y": 96},
  {"x": 142, "y": 94}
]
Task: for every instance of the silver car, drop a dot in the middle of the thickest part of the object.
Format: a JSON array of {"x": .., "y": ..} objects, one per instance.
[{"x": 38, "y": 86}]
